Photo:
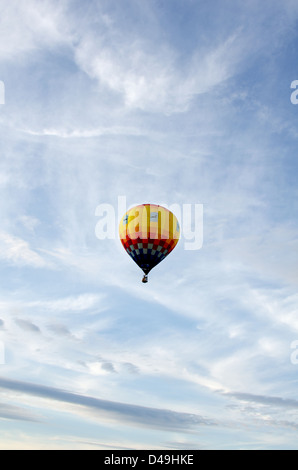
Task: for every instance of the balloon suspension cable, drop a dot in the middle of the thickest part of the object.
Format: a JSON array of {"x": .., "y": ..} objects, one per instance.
[{"x": 145, "y": 279}]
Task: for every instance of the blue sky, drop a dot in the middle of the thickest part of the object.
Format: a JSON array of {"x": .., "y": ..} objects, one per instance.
[{"x": 169, "y": 102}]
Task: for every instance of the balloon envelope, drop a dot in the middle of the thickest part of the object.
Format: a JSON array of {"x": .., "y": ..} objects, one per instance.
[{"x": 148, "y": 233}]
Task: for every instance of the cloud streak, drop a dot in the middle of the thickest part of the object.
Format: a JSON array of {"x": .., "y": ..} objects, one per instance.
[
  {"x": 145, "y": 416},
  {"x": 266, "y": 400},
  {"x": 13, "y": 412}
]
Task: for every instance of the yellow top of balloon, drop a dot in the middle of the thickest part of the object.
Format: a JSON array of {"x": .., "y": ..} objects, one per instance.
[{"x": 149, "y": 221}]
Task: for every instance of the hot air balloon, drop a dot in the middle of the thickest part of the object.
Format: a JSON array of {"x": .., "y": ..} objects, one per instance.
[{"x": 148, "y": 233}]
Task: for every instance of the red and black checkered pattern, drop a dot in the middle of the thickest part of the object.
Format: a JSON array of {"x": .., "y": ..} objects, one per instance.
[{"x": 147, "y": 253}]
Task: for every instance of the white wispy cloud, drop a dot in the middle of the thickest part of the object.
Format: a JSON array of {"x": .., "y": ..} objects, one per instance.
[
  {"x": 152, "y": 80},
  {"x": 36, "y": 25},
  {"x": 75, "y": 303},
  {"x": 85, "y": 133},
  {"x": 18, "y": 252}
]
